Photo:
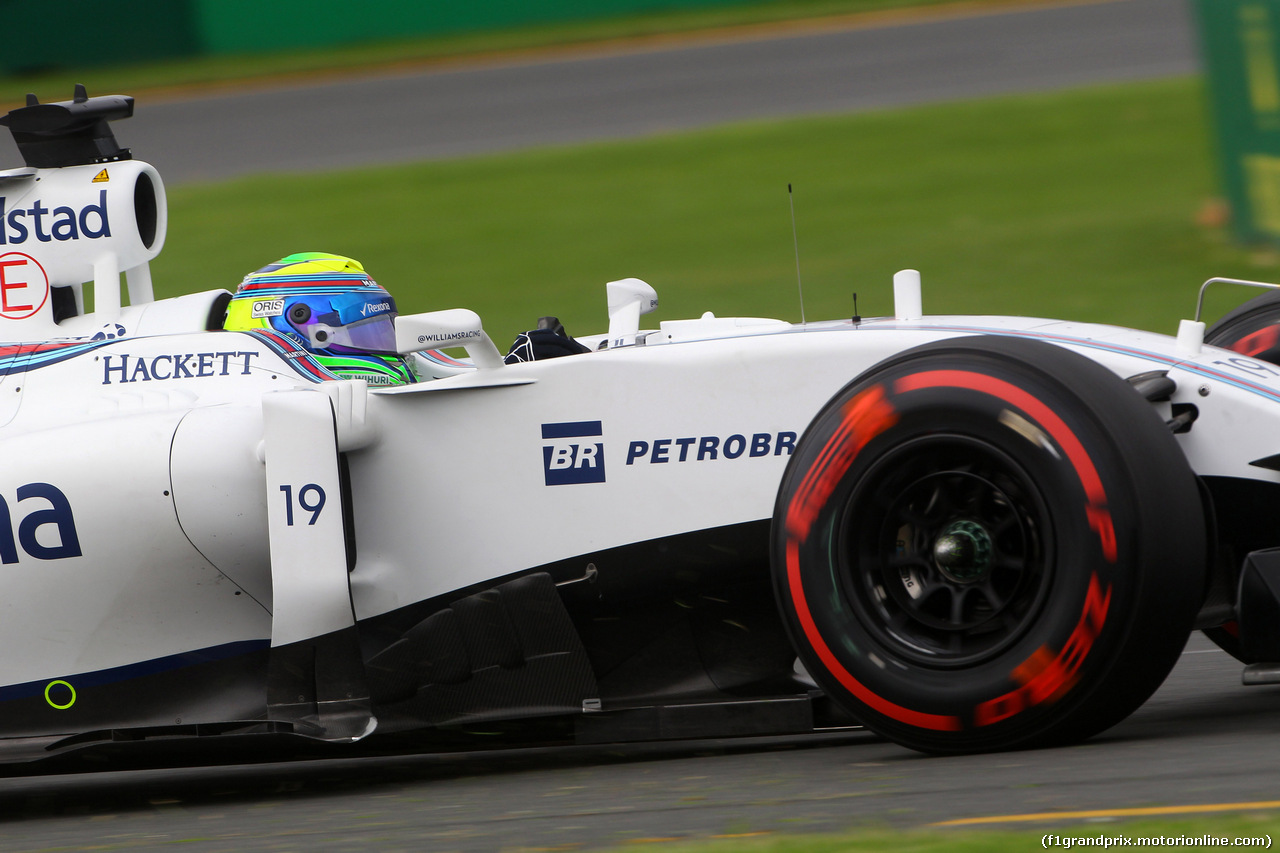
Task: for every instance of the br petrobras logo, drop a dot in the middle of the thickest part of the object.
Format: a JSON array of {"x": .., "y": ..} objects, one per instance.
[{"x": 570, "y": 455}]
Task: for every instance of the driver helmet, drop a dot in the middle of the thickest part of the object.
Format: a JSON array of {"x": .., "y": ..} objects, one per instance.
[{"x": 331, "y": 307}]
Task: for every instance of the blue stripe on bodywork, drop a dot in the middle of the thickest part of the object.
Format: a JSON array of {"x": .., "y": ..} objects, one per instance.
[
  {"x": 136, "y": 670},
  {"x": 25, "y": 357},
  {"x": 577, "y": 429}
]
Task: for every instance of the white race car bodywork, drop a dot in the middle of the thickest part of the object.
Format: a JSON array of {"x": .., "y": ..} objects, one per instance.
[
  {"x": 194, "y": 522},
  {"x": 451, "y": 478}
]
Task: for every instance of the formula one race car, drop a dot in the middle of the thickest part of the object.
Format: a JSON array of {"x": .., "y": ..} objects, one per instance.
[{"x": 286, "y": 511}]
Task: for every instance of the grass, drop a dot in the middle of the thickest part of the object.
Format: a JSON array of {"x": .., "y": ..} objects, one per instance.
[
  {"x": 1079, "y": 205},
  {"x": 975, "y": 841},
  {"x": 57, "y": 83}
]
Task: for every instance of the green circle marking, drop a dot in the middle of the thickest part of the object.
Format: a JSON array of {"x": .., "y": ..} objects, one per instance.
[{"x": 54, "y": 704}]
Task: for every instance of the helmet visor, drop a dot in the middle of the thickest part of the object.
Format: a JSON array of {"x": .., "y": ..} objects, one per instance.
[{"x": 376, "y": 334}]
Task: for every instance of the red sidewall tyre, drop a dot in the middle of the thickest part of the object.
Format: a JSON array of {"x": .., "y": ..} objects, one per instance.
[
  {"x": 1252, "y": 329},
  {"x": 988, "y": 543}
]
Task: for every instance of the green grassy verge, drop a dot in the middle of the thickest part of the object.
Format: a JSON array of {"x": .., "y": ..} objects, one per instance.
[
  {"x": 1079, "y": 205},
  {"x": 57, "y": 84},
  {"x": 966, "y": 840}
]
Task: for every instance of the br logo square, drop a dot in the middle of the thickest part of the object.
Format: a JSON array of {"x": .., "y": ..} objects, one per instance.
[{"x": 570, "y": 455}]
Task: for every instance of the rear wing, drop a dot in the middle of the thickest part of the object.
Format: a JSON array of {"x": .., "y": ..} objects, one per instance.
[{"x": 80, "y": 211}]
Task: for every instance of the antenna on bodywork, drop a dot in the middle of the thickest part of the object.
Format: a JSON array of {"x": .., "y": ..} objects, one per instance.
[{"x": 795, "y": 241}]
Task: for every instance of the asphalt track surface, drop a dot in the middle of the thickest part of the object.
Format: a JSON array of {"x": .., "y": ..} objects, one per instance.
[
  {"x": 1203, "y": 738},
  {"x": 496, "y": 104}
]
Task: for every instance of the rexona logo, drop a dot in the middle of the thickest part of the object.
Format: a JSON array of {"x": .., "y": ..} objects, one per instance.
[
  {"x": 46, "y": 528},
  {"x": 570, "y": 456},
  {"x": 370, "y": 309},
  {"x": 62, "y": 223}
]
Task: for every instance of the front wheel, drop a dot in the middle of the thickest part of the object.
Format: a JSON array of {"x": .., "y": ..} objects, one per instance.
[{"x": 988, "y": 543}]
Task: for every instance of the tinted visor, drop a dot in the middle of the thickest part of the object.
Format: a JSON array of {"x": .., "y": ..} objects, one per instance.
[
  {"x": 376, "y": 334},
  {"x": 362, "y": 321}
]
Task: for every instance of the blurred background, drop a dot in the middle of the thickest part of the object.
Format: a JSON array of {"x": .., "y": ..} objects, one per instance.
[{"x": 1087, "y": 159}]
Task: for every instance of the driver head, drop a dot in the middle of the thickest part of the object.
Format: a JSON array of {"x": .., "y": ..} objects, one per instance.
[{"x": 330, "y": 306}]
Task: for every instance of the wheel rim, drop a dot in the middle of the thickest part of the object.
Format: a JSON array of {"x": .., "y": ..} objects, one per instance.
[{"x": 945, "y": 551}]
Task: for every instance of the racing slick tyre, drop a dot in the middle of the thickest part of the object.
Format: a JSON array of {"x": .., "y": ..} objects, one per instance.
[
  {"x": 1252, "y": 329},
  {"x": 988, "y": 543}
]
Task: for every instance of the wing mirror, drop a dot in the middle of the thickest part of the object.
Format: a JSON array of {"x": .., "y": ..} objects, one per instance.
[
  {"x": 628, "y": 299},
  {"x": 457, "y": 327}
]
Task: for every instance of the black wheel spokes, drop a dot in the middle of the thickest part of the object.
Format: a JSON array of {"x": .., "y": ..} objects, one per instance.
[{"x": 961, "y": 564}]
